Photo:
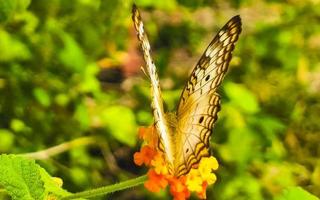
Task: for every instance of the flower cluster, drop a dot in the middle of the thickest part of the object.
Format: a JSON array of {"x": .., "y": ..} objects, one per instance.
[{"x": 159, "y": 177}]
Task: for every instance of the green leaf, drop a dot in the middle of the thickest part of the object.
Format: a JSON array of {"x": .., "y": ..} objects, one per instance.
[
  {"x": 17, "y": 125},
  {"x": 72, "y": 55},
  {"x": 165, "y": 4},
  {"x": 7, "y": 140},
  {"x": 9, "y": 7},
  {"x": 236, "y": 151},
  {"x": 121, "y": 123},
  {"x": 11, "y": 49},
  {"x": 53, "y": 189},
  {"x": 251, "y": 188},
  {"x": 23, "y": 179},
  {"x": 82, "y": 116},
  {"x": 89, "y": 81},
  {"x": 42, "y": 96},
  {"x": 296, "y": 193},
  {"x": 242, "y": 97},
  {"x": 6, "y": 9}
]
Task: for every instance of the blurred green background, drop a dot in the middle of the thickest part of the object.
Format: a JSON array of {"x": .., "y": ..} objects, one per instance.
[{"x": 70, "y": 70}]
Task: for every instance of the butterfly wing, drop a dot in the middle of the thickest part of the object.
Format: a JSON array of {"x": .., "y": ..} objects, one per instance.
[
  {"x": 199, "y": 102},
  {"x": 157, "y": 105}
]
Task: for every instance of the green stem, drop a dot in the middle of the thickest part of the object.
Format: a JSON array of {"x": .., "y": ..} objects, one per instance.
[{"x": 108, "y": 189}]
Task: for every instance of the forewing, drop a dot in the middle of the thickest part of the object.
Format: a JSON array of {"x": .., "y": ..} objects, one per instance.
[
  {"x": 157, "y": 105},
  {"x": 199, "y": 102}
]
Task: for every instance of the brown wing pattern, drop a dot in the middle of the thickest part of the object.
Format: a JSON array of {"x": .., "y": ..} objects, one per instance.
[{"x": 199, "y": 102}]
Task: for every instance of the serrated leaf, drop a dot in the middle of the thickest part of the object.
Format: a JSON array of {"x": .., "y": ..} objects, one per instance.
[
  {"x": 21, "y": 178},
  {"x": 52, "y": 188}
]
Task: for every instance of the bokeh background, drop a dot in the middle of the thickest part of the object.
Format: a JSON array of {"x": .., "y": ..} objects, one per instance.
[{"x": 70, "y": 76}]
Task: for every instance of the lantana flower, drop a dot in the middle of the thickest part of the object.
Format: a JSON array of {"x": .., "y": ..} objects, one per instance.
[{"x": 196, "y": 180}]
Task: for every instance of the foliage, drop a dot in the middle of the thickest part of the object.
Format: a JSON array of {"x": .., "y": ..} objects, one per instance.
[
  {"x": 23, "y": 179},
  {"x": 296, "y": 193},
  {"x": 71, "y": 69}
]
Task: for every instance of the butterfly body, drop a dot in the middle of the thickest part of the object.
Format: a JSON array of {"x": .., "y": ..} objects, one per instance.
[{"x": 184, "y": 136}]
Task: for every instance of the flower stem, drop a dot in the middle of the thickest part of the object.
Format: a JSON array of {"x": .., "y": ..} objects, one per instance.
[{"x": 108, "y": 189}]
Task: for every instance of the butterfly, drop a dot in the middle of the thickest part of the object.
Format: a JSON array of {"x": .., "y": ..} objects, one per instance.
[{"x": 184, "y": 136}]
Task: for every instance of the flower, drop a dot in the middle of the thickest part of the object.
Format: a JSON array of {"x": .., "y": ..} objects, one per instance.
[
  {"x": 178, "y": 188},
  {"x": 200, "y": 176},
  {"x": 194, "y": 181},
  {"x": 202, "y": 194},
  {"x": 206, "y": 167},
  {"x": 159, "y": 164},
  {"x": 145, "y": 156},
  {"x": 155, "y": 181},
  {"x": 148, "y": 134}
]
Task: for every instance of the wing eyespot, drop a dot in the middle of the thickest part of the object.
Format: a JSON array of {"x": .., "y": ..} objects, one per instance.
[
  {"x": 201, "y": 119},
  {"x": 207, "y": 78}
]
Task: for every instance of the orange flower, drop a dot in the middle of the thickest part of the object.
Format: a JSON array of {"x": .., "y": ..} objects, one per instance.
[
  {"x": 142, "y": 132},
  {"x": 144, "y": 156},
  {"x": 202, "y": 194},
  {"x": 178, "y": 188},
  {"x": 197, "y": 180},
  {"x": 149, "y": 135},
  {"x": 155, "y": 181},
  {"x": 159, "y": 164}
]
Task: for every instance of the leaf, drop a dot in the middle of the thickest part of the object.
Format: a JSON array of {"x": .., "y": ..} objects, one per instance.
[
  {"x": 9, "y": 7},
  {"x": 236, "y": 151},
  {"x": 82, "y": 116},
  {"x": 296, "y": 193},
  {"x": 89, "y": 81},
  {"x": 121, "y": 122},
  {"x": 42, "y": 96},
  {"x": 23, "y": 179},
  {"x": 11, "y": 49},
  {"x": 52, "y": 187},
  {"x": 165, "y": 4},
  {"x": 72, "y": 55},
  {"x": 6, "y": 9},
  {"x": 251, "y": 188},
  {"x": 17, "y": 125},
  {"x": 242, "y": 97},
  {"x": 7, "y": 140}
]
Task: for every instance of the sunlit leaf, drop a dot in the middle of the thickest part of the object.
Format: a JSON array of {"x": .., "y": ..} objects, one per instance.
[
  {"x": 7, "y": 140},
  {"x": 120, "y": 121},
  {"x": 72, "y": 55},
  {"x": 82, "y": 116},
  {"x": 42, "y": 96},
  {"x": 23, "y": 179},
  {"x": 242, "y": 97},
  {"x": 12, "y": 49},
  {"x": 17, "y": 125},
  {"x": 296, "y": 193}
]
